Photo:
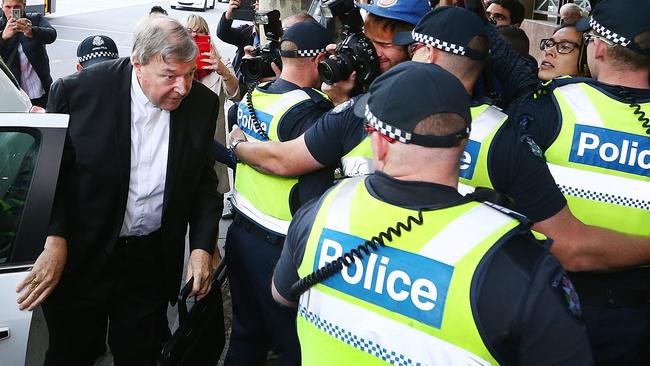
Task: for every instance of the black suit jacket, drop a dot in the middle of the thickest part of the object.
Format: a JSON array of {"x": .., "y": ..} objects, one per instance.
[
  {"x": 239, "y": 37},
  {"x": 93, "y": 185},
  {"x": 34, "y": 48}
]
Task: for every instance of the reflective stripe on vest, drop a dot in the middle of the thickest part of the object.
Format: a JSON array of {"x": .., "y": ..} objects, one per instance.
[
  {"x": 600, "y": 160},
  {"x": 406, "y": 303},
  {"x": 358, "y": 161},
  {"x": 265, "y": 198},
  {"x": 486, "y": 121}
]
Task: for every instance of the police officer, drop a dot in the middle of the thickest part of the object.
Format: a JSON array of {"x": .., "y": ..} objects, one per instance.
[
  {"x": 450, "y": 284},
  {"x": 592, "y": 135},
  {"x": 337, "y": 137},
  {"x": 264, "y": 204}
]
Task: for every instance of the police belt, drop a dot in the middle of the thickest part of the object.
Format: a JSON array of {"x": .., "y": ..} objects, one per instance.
[
  {"x": 248, "y": 225},
  {"x": 609, "y": 296}
]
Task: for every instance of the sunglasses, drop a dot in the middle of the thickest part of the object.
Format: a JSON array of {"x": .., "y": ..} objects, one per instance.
[
  {"x": 371, "y": 129},
  {"x": 413, "y": 47},
  {"x": 589, "y": 37}
]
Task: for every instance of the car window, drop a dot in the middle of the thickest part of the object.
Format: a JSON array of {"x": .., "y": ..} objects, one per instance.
[{"x": 18, "y": 155}]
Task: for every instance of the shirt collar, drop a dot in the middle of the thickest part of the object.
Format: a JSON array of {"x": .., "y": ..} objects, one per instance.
[{"x": 140, "y": 97}]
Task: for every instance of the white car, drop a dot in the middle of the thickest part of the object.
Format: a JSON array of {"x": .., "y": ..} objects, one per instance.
[
  {"x": 201, "y": 5},
  {"x": 31, "y": 145}
]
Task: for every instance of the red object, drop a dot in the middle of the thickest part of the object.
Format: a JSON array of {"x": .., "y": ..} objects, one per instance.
[{"x": 203, "y": 43}]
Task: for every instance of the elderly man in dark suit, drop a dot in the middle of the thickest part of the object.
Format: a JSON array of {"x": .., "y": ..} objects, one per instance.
[
  {"x": 136, "y": 172},
  {"x": 22, "y": 46}
]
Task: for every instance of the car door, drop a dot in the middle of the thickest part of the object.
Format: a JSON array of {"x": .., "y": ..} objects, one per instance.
[{"x": 31, "y": 145}]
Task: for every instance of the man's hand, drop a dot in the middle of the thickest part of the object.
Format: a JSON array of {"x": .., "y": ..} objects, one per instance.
[
  {"x": 45, "y": 275},
  {"x": 340, "y": 92},
  {"x": 11, "y": 29},
  {"x": 232, "y": 5},
  {"x": 25, "y": 27},
  {"x": 199, "y": 266},
  {"x": 236, "y": 134}
]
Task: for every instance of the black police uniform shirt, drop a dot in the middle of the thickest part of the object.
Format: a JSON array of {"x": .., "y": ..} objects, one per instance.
[
  {"x": 340, "y": 130},
  {"x": 293, "y": 124},
  {"x": 523, "y": 312},
  {"x": 335, "y": 134},
  {"x": 543, "y": 125}
]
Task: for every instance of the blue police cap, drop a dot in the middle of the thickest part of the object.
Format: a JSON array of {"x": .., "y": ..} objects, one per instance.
[
  {"x": 310, "y": 37},
  {"x": 410, "y": 11},
  {"x": 447, "y": 28},
  {"x": 95, "y": 49},
  {"x": 619, "y": 21},
  {"x": 408, "y": 93}
]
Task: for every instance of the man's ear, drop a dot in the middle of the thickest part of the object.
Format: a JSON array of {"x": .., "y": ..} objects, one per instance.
[
  {"x": 137, "y": 66},
  {"x": 601, "y": 49},
  {"x": 320, "y": 57},
  {"x": 79, "y": 67},
  {"x": 379, "y": 149}
]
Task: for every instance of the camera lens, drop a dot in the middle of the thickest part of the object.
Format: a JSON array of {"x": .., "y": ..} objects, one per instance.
[
  {"x": 335, "y": 69},
  {"x": 251, "y": 69}
]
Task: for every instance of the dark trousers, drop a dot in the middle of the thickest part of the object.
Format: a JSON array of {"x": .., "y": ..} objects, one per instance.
[
  {"x": 126, "y": 300},
  {"x": 618, "y": 336},
  {"x": 259, "y": 323}
]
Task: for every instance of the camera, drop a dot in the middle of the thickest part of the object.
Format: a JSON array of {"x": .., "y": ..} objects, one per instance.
[
  {"x": 245, "y": 11},
  {"x": 259, "y": 66},
  {"x": 354, "y": 53},
  {"x": 16, "y": 13}
]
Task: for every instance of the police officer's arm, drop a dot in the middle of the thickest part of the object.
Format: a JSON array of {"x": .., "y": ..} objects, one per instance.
[
  {"x": 550, "y": 330},
  {"x": 288, "y": 158},
  {"x": 538, "y": 309},
  {"x": 581, "y": 247}
]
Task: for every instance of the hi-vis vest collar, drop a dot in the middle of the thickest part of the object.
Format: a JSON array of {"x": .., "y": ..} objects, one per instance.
[{"x": 405, "y": 304}]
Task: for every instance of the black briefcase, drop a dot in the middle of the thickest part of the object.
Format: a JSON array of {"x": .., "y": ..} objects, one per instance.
[{"x": 200, "y": 337}]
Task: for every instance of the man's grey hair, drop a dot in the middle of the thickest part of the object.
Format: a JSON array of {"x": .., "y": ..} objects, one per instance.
[
  {"x": 572, "y": 9},
  {"x": 165, "y": 37}
]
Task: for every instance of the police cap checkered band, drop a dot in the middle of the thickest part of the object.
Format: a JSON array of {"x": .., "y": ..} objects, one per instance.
[
  {"x": 620, "y": 22},
  {"x": 608, "y": 33},
  {"x": 309, "y": 37},
  {"x": 302, "y": 53},
  {"x": 450, "y": 29},
  {"x": 386, "y": 129},
  {"x": 423, "y": 90},
  {"x": 441, "y": 45},
  {"x": 101, "y": 54}
]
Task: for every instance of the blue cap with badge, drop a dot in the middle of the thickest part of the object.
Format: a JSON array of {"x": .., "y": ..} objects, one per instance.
[
  {"x": 425, "y": 90},
  {"x": 96, "y": 49},
  {"x": 310, "y": 37},
  {"x": 410, "y": 11},
  {"x": 448, "y": 28},
  {"x": 620, "y": 22}
]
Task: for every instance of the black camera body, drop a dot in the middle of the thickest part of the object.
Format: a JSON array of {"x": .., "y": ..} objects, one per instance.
[
  {"x": 354, "y": 53},
  {"x": 259, "y": 66}
]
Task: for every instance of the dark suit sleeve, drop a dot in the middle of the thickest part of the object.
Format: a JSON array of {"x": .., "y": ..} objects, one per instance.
[
  {"x": 228, "y": 34},
  {"x": 58, "y": 103},
  {"x": 207, "y": 203},
  {"x": 42, "y": 30}
]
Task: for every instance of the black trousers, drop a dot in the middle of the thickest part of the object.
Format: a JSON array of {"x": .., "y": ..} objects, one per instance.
[
  {"x": 259, "y": 323},
  {"x": 126, "y": 301}
]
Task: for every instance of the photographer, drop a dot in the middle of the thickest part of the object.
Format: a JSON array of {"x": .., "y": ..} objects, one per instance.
[
  {"x": 280, "y": 110},
  {"x": 22, "y": 46},
  {"x": 336, "y": 137}
]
